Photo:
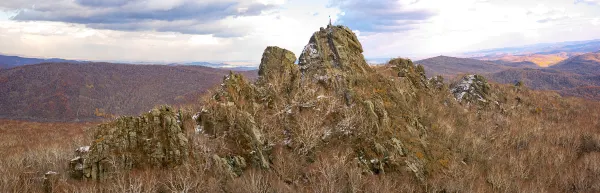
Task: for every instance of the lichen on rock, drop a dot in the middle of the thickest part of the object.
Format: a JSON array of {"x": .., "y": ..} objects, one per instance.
[
  {"x": 278, "y": 63},
  {"x": 414, "y": 73},
  {"x": 332, "y": 99},
  {"x": 333, "y": 48},
  {"x": 471, "y": 89},
  {"x": 155, "y": 139}
]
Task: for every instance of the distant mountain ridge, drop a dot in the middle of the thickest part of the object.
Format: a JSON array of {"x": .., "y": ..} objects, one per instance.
[
  {"x": 13, "y": 61},
  {"x": 7, "y": 61},
  {"x": 543, "y": 55},
  {"x": 544, "y": 48},
  {"x": 91, "y": 91},
  {"x": 217, "y": 65},
  {"x": 577, "y": 76},
  {"x": 450, "y": 67},
  {"x": 542, "y": 79},
  {"x": 586, "y": 64}
]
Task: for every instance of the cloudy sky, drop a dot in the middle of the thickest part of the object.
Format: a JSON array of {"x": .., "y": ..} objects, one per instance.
[{"x": 239, "y": 30}]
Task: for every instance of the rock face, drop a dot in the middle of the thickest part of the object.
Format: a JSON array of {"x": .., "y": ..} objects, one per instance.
[
  {"x": 471, "y": 89},
  {"x": 231, "y": 115},
  {"x": 437, "y": 82},
  {"x": 231, "y": 166},
  {"x": 154, "y": 139},
  {"x": 277, "y": 66},
  {"x": 276, "y": 62},
  {"x": 332, "y": 94},
  {"x": 331, "y": 99},
  {"x": 414, "y": 73},
  {"x": 334, "y": 47}
]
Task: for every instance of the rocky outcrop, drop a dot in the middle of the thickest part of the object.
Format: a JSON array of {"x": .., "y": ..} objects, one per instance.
[
  {"x": 278, "y": 70},
  {"x": 377, "y": 115},
  {"x": 230, "y": 166},
  {"x": 414, "y": 73},
  {"x": 331, "y": 49},
  {"x": 154, "y": 139},
  {"x": 278, "y": 63},
  {"x": 331, "y": 97},
  {"x": 437, "y": 82},
  {"x": 231, "y": 115},
  {"x": 471, "y": 89}
]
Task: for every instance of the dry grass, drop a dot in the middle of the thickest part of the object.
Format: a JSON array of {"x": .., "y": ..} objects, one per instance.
[
  {"x": 29, "y": 149},
  {"x": 532, "y": 142}
]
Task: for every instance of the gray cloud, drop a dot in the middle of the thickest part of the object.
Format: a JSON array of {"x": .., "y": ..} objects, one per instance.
[
  {"x": 185, "y": 16},
  {"x": 101, "y": 3},
  {"x": 380, "y": 15}
]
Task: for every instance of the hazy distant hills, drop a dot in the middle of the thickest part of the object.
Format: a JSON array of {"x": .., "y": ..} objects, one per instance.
[
  {"x": 577, "y": 71},
  {"x": 543, "y": 79},
  {"x": 541, "y": 60},
  {"x": 13, "y": 61},
  {"x": 576, "y": 76},
  {"x": 85, "y": 91},
  {"x": 545, "y": 48},
  {"x": 451, "y": 67},
  {"x": 218, "y": 65},
  {"x": 586, "y": 64},
  {"x": 543, "y": 55}
]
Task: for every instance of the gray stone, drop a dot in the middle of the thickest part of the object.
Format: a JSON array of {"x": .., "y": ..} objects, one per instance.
[
  {"x": 471, "y": 89},
  {"x": 130, "y": 142}
]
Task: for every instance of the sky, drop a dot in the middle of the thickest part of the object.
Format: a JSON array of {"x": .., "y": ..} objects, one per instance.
[{"x": 237, "y": 31}]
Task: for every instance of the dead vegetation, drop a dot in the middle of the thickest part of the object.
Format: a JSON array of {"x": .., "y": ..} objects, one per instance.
[
  {"x": 337, "y": 129},
  {"x": 540, "y": 142}
]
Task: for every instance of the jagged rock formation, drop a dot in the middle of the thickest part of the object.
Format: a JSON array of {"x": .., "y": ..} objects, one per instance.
[
  {"x": 335, "y": 47},
  {"x": 154, "y": 139},
  {"x": 231, "y": 166},
  {"x": 329, "y": 125},
  {"x": 277, "y": 69},
  {"x": 230, "y": 114},
  {"x": 337, "y": 97},
  {"x": 471, "y": 89},
  {"x": 277, "y": 61},
  {"x": 332, "y": 97},
  {"x": 437, "y": 82},
  {"x": 414, "y": 73}
]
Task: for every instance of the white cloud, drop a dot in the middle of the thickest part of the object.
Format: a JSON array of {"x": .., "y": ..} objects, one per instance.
[
  {"x": 289, "y": 28},
  {"x": 454, "y": 26},
  {"x": 595, "y": 21},
  {"x": 465, "y": 25},
  {"x": 204, "y": 40}
]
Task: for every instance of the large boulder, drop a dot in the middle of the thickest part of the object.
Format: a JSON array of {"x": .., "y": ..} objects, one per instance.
[
  {"x": 278, "y": 70},
  {"x": 277, "y": 62}
]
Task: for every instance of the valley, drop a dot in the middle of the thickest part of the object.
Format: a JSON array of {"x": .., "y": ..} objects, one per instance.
[{"x": 95, "y": 91}]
